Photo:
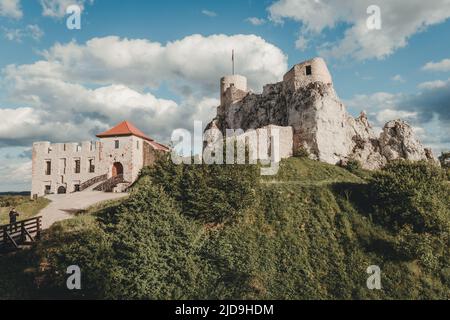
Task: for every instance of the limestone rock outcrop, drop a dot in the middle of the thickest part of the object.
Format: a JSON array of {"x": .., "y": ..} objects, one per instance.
[
  {"x": 398, "y": 141},
  {"x": 306, "y": 101}
]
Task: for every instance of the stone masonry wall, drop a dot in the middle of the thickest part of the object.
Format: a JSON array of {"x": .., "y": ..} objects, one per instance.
[
  {"x": 62, "y": 157},
  {"x": 103, "y": 153}
]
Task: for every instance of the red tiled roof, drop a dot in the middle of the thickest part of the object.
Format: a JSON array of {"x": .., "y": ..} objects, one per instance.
[{"x": 126, "y": 128}]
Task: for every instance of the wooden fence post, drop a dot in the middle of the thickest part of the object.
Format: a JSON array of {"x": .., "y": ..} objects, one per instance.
[
  {"x": 5, "y": 239},
  {"x": 38, "y": 228},
  {"x": 22, "y": 232}
]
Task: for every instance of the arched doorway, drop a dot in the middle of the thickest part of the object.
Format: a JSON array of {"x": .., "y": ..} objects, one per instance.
[
  {"x": 117, "y": 169},
  {"x": 62, "y": 190}
]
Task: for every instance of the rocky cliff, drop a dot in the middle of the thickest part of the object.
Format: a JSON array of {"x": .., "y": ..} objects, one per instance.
[{"x": 320, "y": 122}]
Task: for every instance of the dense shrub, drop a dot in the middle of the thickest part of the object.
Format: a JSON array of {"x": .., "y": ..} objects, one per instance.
[
  {"x": 431, "y": 251},
  {"x": 13, "y": 201},
  {"x": 444, "y": 158},
  {"x": 210, "y": 193},
  {"x": 353, "y": 165},
  {"x": 142, "y": 250},
  {"x": 445, "y": 163},
  {"x": 411, "y": 193},
  {"x": 301, "y": 152},
  {"x": 153, "y": 248}
]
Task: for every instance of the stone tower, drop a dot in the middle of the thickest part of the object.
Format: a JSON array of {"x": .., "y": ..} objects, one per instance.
[
  {"x": 232, "y": 87},
  {"x": 302, "y": 74}
]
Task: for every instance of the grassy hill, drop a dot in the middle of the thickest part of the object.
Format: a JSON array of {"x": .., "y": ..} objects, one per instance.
[{"x": 225, "y": 232}]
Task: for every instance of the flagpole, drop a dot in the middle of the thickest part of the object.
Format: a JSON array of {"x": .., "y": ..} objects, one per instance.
[{"x": 232, "y": 61}]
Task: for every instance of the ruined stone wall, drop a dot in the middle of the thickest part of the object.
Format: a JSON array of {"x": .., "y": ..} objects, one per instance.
[
  {"x": 232, "y": 95},
  {"x": 149, "y": 155},
  {"x": 103, "y": 153},
  {"x": 236, "y": 81},
  {"x": 297, "y": 77},
  {"x": 62, "y": 157}
]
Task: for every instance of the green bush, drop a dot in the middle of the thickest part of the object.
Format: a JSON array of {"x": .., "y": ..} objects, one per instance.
[
  {"x": 413, "y": 193},
  {"x": 353, "y": 165},
  {"x": 210, "y": 193},
  {"x": 144, "y": 249},
  {"x": 301, "y": 152},
  {"x": 427, "y": 248},
  {"x": 153, "y": 248},
  {"x": 445, "y": 163},
  {"x": 444, "y": 158}
]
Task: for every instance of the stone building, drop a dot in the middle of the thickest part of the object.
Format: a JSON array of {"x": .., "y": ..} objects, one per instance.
[{"x": 111, "y": 163}]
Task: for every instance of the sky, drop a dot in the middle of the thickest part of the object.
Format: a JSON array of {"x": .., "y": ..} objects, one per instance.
[{"x": 158, "y": 64}]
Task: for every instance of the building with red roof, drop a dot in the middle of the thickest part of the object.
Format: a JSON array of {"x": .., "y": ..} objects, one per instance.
[{"x": 111, "y": 163}]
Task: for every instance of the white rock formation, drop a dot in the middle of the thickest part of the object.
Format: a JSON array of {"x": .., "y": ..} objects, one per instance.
[
  {"x": 306, "y": 101},
  {"x": 398, "y": 141}
]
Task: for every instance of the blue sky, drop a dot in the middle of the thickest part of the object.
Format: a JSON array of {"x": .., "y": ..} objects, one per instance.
[{"x": 158, "y": 63}]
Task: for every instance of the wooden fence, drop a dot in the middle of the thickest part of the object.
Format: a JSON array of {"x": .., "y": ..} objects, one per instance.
[{"x": 20, "y": 233}]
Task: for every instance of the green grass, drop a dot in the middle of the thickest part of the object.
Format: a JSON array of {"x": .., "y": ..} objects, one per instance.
[
  {"x": 26, "y": 207},
  {"x": 310, "y": 172}
]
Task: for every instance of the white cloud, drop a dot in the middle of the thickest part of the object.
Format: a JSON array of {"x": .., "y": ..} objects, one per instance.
[
  {"x": 302, "y": 43},
  {"x": 57, "y": 8},
  {"x": 374, "y": 101},
  {"x": 12, "y": 34},
  {"x": 256, "y": 21},
  {"x": 389, "y": 114},
  {"x": 11, "y": 8},
  {"x": 78, "y": 90},
  {"x": 194, "y": 62},
  {"x": 66, "y": 112},
  {"x": 20, "y": 172},
  {"x": 442, "y": 66},
  {"x": 398, "y": 78},
  {"x": 401, "y": 19},
  {"x": 209, "y": 13},
  {"x": 35, "y": 31},
  {"x": 436, "y": 84},
  {"x": 30, "y": 31},
  {"x": 16, "y": 175}
]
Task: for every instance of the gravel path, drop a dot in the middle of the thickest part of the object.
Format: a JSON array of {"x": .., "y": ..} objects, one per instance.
[{"x": 63, "y": 204}]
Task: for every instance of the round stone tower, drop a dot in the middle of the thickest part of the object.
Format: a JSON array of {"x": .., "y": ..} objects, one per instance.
[
  {"x": 235, "y": 81},
  {"x": 302, "y": 74}
]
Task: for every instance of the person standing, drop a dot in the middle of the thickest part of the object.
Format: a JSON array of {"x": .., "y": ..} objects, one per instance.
[{"x": 13, "y": 214}]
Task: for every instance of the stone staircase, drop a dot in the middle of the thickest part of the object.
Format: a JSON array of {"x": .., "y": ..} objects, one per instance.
[
  {"x": 113, "y": 184},
  {"x": 91, "y": 182}
]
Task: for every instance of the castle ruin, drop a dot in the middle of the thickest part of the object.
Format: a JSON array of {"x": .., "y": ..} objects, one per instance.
[{"x": 305, "y": 102}]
